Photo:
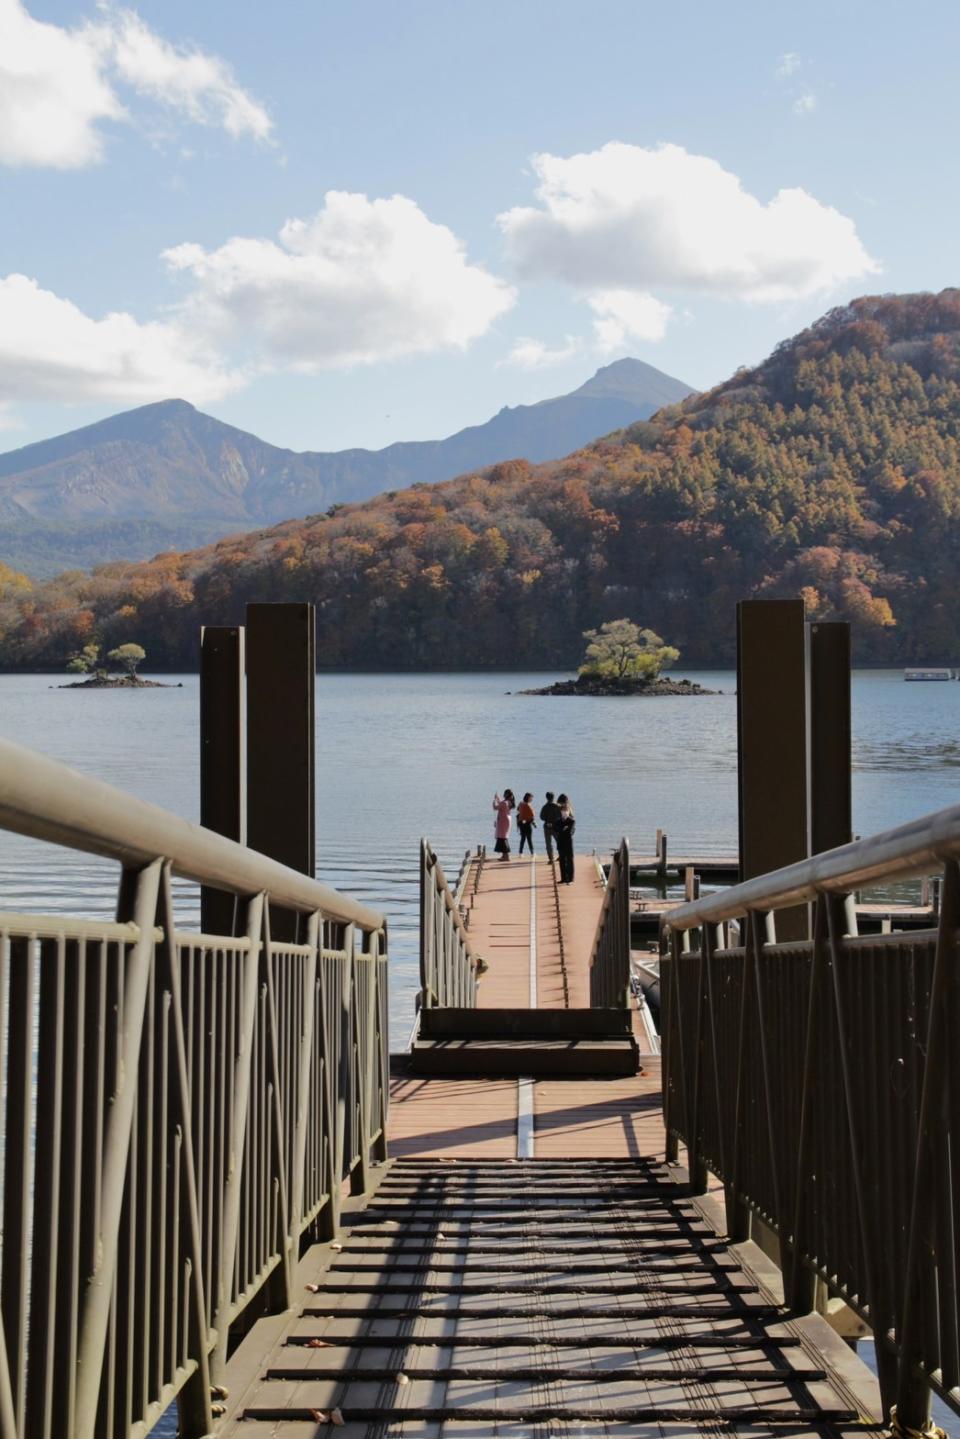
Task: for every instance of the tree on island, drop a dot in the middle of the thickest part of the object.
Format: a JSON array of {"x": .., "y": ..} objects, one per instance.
[
  {"x": 87, "y": 662},
  {"x": 129, "y": 656},
  {"x": 621, "y": 650}
]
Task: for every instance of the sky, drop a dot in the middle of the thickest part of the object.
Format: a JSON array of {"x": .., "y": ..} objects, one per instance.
[{"x": 350, "y": 222}]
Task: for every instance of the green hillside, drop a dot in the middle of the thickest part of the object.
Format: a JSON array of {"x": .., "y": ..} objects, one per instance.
[{"x": 832, "y": 470}]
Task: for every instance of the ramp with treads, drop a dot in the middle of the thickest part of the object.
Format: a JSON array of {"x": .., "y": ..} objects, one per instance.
[{"x": 537, "y": 1298}]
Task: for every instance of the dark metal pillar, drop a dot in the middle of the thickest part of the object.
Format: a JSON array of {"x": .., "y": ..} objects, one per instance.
[
  {"x": 828, "y": 681},
  {"x": 281, "y": 670},
  {"x": 222, "y": 777},
  {"x": 772, "y": 744}
]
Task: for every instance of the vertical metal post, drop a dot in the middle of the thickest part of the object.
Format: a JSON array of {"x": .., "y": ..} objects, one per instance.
[
  {"x": 222, "y": 776},
  {"x": 247, "y": 986},
  {"x": 772, "y": 744},
  {"x": 828, "y": 710},
  {"x": 139, "y": 896},
  {"x": 281, "y": 801}
]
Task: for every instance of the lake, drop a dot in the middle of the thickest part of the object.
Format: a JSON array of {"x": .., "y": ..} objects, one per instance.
[{"x": 400, "y": 756}]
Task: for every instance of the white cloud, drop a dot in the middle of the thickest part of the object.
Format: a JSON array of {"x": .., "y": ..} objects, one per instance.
[
  {"x": 803, "y": 104},
  {"x": 529, "y": 354},
  {"x": 363, "y": 280},
  {"x": 628, "y": 218},
  {"x": 359, "y": 282},
  {"x": 627, "y": 315},
  {"x": 58, "y": 85},
  {"x": 53, "y": 92},
  {"x": 202, "y": 86},
  {"x": 788, "y": 64},
  {"x": 51, "y": 350}
]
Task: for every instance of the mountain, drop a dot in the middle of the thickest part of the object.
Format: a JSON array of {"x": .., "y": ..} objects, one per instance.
[
  {"x": 830, "y": 471},
  {"x": 166, "y": 476}
]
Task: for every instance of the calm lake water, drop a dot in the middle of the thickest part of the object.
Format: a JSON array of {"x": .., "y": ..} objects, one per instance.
[{"x": 400, "y": 756}]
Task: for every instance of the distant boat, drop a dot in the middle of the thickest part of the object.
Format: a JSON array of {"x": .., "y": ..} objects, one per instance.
[{"x": 928, "y": 674}]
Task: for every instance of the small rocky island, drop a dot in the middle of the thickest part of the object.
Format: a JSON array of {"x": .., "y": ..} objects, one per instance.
[
  {"x": 598, "y": 686},
  {"x": 88, "y": 662},
  {"x": 117, "y": 682},
  {"x": 623, "y": 659}
]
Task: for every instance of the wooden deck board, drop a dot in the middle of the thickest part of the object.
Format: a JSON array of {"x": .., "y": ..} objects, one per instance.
[
  {"x": 456, "y": 1118},
  {"x": 685, "y": 1341}
]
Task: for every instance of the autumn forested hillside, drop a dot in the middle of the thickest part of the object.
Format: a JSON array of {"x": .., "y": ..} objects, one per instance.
[{"x": 832, "y": 471}]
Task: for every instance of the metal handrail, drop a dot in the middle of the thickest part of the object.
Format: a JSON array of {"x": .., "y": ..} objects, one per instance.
[
  {"x": 911, "y": 849},
  {"x": 180, "y": 1111},
  {"x": 448, "y": 963},
  {"x": 610, "y": 956},
  {"x": 46, "y": 800},
  {"x": 818, "y": 1078}
]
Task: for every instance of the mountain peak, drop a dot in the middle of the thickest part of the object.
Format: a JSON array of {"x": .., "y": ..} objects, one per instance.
[
  {"x": 630, "y": 378},
  {"x": 170, "y": 407}
]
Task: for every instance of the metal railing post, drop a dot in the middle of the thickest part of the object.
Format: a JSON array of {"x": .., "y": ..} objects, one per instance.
[
  {"x": 448, "y": 971},
  {"x": 308, "y": 987},
  {"x": 194, "y": 1400},
  {"x": 237, "y": 1131},
  {"x": 95, "y": 1309}
]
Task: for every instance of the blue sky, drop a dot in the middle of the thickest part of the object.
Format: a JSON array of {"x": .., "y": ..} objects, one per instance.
[{"x": 327, "y": 222}]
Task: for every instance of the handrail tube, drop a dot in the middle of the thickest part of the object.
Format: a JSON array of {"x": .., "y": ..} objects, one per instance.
[
  {"x": 443, "y": 891},
  {"x": 610, "y": 954},
  {"x": 910, "y": 849},
  {"x": 46, "y": 800},
  {"x": 448, "y": 963}
]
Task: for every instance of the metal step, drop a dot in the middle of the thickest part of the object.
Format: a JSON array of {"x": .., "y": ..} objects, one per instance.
[{"x": 538, "y": 1058}]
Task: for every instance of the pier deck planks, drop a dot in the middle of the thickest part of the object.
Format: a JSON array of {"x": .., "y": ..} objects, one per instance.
[
  {"x": 542, "y": 1297},
  {"x": 576, "y": 1292}
]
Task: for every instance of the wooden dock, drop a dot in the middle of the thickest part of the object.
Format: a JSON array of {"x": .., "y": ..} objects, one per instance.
[{"x": 529, "y": 1264}]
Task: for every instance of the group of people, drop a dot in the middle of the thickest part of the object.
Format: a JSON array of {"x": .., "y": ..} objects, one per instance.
[{"x": 556, "y": 816}]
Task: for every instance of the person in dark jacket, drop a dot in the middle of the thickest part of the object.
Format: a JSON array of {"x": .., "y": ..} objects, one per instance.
[
  {"x": 563, "y": 838},
  {"x": 549, "y": 815},
  {"x": 525, "y": 822}
]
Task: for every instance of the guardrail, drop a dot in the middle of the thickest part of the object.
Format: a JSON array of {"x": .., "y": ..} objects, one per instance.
[
  {"x": 610, "y": 957},
  {"x": 820, "y": 1080},
  {"x": 180, "y": 1111},
  {"x": 449, "y": 969}
]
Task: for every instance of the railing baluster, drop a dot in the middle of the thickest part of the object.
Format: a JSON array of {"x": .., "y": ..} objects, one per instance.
[
  {"x": 305, "y": 1041},
  {"x": 97, "y": 1298},
  {"x": 237, "y": 1133},
  {"x": 448, "y": 968},
  {"x": 800, "y": 1284},
  {"x": 279, "y": 1226},
  {"x": 196, "y": 1416}
]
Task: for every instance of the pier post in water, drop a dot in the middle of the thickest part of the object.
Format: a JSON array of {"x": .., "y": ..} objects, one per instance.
[
  {"x": 828, "y": 707},
  {"x": 222, "y": 757},
  {"x": 281, "y": 772},
  {"x": 772, "y": 744}
]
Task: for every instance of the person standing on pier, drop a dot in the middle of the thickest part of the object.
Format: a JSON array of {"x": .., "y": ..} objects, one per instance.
[
  {"x": 525, "y": 822},
  {"x": 503, "y": 822},
  {"x": 549, "y": 816},
  {"x": 563, "y": 835}
]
